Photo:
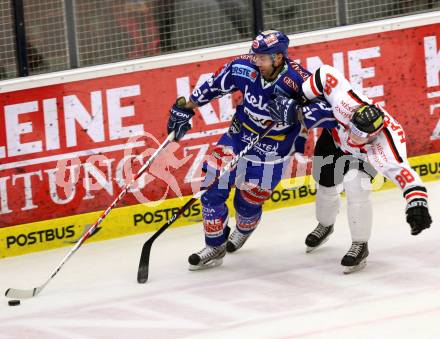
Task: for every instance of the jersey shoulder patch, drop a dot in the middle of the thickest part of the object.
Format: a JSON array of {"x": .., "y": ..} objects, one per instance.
[
  {"x": 243, "y": 68},
  {"x": 295, "y": 68},
  {"x": 290, "y": 81},
  {"x": 247, "y": 57}
]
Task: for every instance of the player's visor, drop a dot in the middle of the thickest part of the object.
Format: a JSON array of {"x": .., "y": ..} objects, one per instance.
[
  {"x": 356, "y": 131},
  {"x": 356, "y": 136}
]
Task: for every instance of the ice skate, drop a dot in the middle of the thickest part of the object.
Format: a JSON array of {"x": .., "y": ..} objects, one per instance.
[
  {"x": 207, "y": 257},
  {"x": 356, "y": 257},
  {"x": 318, "y": 237},
  {"x": 236, "y": 240}
]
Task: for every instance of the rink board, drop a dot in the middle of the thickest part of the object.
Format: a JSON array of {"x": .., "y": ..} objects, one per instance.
[
  {"x": 130, "y": 220},
  {"x": 67, "y": 137},
  {"x": 87, "y": 129}
]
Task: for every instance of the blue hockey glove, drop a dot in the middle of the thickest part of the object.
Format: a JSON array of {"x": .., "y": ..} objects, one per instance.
[
  {"x": 284, "y": 110},
  {"x": 179, "y": 119}
]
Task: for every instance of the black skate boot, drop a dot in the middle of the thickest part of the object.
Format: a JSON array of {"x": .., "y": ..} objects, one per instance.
[
  {"x": 236, "y": 240},
  {"x": 319, "y": 236},
  {"x": 356, "y": 257},
  {"x": 207, "y": 257}
]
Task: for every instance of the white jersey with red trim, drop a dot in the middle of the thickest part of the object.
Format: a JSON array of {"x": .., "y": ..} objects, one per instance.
[
  {"x": 386, "y": 152},
  {"x": 327, "y": 81}
]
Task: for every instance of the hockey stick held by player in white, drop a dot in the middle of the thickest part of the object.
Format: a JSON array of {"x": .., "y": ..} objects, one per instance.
[{"x": 16, "y": 293}]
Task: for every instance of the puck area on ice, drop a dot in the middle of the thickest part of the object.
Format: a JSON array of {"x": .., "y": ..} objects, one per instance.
[{"x": 14, "y": 302}]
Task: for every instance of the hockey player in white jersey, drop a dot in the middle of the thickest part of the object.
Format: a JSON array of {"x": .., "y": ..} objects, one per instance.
[{"x": 367, "y": 139}]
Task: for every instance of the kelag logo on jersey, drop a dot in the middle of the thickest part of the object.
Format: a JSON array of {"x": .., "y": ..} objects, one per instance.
[{"x": 244, "y": 72}]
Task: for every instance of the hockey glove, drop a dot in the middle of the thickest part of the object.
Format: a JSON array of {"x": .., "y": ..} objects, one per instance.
[
  {"x": 283, "y": 110},
  {"x": 179, "y": 119},
  {"x": 417, "y": 215}
]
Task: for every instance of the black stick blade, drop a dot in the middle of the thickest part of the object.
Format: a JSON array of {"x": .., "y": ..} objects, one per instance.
[{"x": 144, "y": 263}]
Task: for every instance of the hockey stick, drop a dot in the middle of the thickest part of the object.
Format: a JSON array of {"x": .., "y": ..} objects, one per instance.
[
  {"x": 23, "y": 294},
  {"x": 86, "y": 228},
  {"x": 144, "y": 262}
]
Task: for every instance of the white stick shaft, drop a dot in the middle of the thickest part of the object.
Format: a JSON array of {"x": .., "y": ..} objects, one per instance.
[{"x": 22, "y": 294}]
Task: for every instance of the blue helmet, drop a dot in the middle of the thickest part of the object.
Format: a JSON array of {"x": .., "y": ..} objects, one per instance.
[{"x": 271, "y": 42}]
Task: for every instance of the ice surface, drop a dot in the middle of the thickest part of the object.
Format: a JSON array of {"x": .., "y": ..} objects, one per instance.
[{"x": 269, "y": 289}]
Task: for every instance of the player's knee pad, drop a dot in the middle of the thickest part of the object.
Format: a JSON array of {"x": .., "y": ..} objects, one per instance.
[
  {"x": 215, "y": 220},
  {"x": 357, "y": 186},
  {"x": 327, "y": 204},
  {"x": 248, "y": 203},
  {"x": 214, "y": 196},
  {"x": 328, "y": 195},
  {"x": 254, "y": 194}
]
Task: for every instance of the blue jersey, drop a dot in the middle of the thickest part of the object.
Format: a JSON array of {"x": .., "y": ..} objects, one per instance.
[
  {"x": 264, "y": 165},
  {"x": 252, "y": 114}
]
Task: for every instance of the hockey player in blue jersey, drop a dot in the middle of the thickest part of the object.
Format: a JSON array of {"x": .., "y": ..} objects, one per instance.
[{"x": 262, "y": 74}]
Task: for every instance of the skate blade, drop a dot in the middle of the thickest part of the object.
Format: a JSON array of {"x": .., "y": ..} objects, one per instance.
[
  {"x": 311, "y": 249},
  {"x": 209, "y": 264},
  {"x": 351, "y": 269}
]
